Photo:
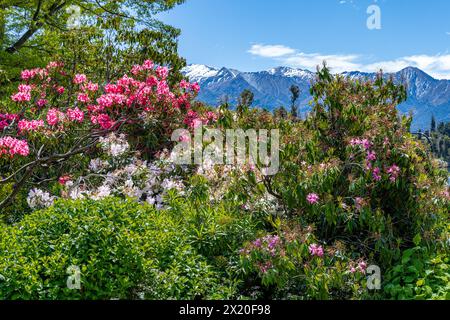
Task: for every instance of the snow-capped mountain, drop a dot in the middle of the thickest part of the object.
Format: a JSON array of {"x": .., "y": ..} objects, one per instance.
[{"x": 426, "y": 96}]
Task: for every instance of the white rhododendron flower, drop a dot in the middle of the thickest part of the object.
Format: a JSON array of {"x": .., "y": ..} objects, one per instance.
[
  {"x": 114, "y": 145},
  {"x": 97, "y": 165},
  {"x": 38, "y": 199}
]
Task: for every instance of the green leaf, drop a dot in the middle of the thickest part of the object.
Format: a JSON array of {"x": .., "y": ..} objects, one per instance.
[{"x": 417, "y": 240}]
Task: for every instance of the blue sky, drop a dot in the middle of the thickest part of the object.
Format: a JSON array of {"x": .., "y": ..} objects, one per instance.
[{"x": 251, "y": 35}]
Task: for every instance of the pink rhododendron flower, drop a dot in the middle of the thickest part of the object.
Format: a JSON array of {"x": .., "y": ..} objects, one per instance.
[
  {"x": 136, "y": 69},
  {"x": 184, "y": 138},
  {"x": 103, "y": 120},
  {"x": 162, "y": 88},
  {"x": 24, "y": 88},
  {"x": 113, "y": 88},
  {"x": 64, "y": 179},
  {"x": 12, "y": 146},
  {"x": 362, "y": 266},
  {"x": 83, "y": 98},
  {"x": 33, "y": 125},
  {"x": 3, "y": 124},
  {"x": 93, "y": 87},
  {"x": 312, "y": 198},
  {"x": 393, "y": 172},
  {"x": 75, "y": 115},
  {"x": 195, "y": 87},
  {"x": 376, "y": 174},
  {"x": 152, "y": 81},
  {"x": 53, "y": 117},
  {"x": 95, "y": 108},
  {"x": 80, "y": 78},
  {"x": 371, "y": 156},
  {"x": 60, "y": 90},
  {"x": 42, "y": 102},
  {"x": 21, "y": 97},
  {"x": 316, "y": 250},
  {"x": 27, "y": 75},
  {"x": 6, "y": 119},
  {"x": 162, "y": 72},
  {"x": 148, "y": 65},
  {"x": 211, "y": 116},
  {"x": 184, "y": 84}
]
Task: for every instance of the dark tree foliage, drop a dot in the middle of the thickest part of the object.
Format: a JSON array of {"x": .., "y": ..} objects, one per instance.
[
  {"x": 98, "y": 37},
  {"x": 295, "y": 94}
]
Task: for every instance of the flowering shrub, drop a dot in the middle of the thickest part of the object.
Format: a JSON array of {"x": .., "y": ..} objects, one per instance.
[
  {"x": 318, "y": 272},
  {"x": 52, "y": 106},
  {"x": 354, "y": 169}
]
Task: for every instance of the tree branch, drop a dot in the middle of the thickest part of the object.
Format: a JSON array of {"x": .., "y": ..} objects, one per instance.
[{"x": 35, "y": 26}]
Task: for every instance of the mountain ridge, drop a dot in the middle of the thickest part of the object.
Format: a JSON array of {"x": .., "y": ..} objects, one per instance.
[{"x": 427, "y": 96}]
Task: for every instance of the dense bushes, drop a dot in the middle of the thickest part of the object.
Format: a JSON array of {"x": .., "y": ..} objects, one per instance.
[
  {"x": 420, "y": 275},
  {"x": 124, "y": 250},
  {"x": 373, "y": 185}
]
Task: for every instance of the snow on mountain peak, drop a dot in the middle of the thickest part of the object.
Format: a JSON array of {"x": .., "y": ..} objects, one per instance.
[
  {"x": 197, "y": 72},
  {"x": 290, "y": 72}
]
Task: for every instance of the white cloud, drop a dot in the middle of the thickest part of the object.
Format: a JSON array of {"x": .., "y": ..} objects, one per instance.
[
  {"x": 270, "y": 51},
  {"x": 438, "y": 66},
  {"x": 338, "y": 63}
]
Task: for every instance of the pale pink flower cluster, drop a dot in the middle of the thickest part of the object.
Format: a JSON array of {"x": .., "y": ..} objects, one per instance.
[
  {"x": 123, "y": 176},
  {"x": 360, "y": 267},
  {"x": 376, "y": 174},
  {"x": 269, "y": 244},
  {"x": 394, "y": 172},
  {"x": 12, "y": 146},
  {"x": 93, "y": 87},
  {"x": 365, "y": 143},
  {"x": 316, "y": 250},
  {"x": 162, "y": 72},
  {"x": 83, "y": 98},
  {"x": 312, "y": 198}
]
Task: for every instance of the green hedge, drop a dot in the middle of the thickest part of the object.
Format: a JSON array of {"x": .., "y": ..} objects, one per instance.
[{"x": 124, "y": 251}]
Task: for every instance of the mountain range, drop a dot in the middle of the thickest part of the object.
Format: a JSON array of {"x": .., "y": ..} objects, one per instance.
[{"x": 426, "y": 96}]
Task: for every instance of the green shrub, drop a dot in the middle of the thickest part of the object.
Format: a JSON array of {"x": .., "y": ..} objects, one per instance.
[
  {"x": 421, "y": 275},
  {"x": 124, "y": 250},
  {"x": 288, "y": 265}
]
